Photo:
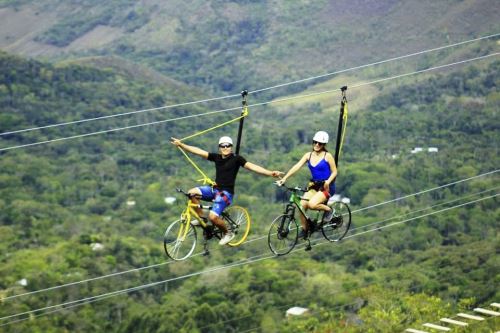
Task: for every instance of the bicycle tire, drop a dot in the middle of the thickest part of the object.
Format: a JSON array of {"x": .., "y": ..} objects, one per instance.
[
  {"x": 176, "y": 248},
  {"x": 335, "y": 230},
  {"x": 283, "y": 234},
  {"x": 237, "y": 218}
]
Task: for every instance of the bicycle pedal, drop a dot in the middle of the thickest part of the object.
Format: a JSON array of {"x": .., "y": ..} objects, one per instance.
[
  {"x": 308, "y": 248},
  {"x": 206, "y": 253}
]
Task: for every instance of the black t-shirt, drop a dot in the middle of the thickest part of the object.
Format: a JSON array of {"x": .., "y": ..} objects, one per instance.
[{"x": 226, "y": 170}]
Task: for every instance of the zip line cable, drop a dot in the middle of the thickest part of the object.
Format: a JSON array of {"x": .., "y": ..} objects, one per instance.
[
  {"x": 379, "y": 80},
  {"x": 424, "y": 209},
  {"x": 411, "y": 195},
  {"x": 254, "y": 91},
  {"x": 117, "y": 115},
  {"x": 253, "y": 105},
  {"x": 402, "y": 215},
  {"x": 118, "y": 129},
  {"x": 239, "y": 263},
  {"x": 425, "y": 191},
  {"x": 93, "y": 279},
  {"x": 337, "y": 292},
  {"x": 374, "y": 63},
  {"x": 114, "y": 293},
  {"x": 421, "y": 216},
  {"x": 261, "y": 237}
]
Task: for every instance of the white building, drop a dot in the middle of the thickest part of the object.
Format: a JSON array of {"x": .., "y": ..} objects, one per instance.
[
  {"x": 296, "y": 311},
  {"x": 417, "y": 150}
]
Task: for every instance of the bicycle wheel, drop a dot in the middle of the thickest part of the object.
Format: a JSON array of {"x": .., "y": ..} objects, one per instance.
[
  {"x": 337, "y": 228},
  {"x": 238, "y": 220},
  {"x": 283, "y": 234},
  {"x": 176, "y": 246}
]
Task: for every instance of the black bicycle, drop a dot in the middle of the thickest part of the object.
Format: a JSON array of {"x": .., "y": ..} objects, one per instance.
[{"x": 284, "y": 231}]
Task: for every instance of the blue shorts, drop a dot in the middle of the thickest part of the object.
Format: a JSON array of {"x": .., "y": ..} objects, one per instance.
[{"x": 221, "y": 199}]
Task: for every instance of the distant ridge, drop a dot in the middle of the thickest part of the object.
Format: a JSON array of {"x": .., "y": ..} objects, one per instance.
[{"x": 127, "y": 68}]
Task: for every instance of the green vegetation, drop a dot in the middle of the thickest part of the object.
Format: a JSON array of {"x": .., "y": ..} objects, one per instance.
[
  {"x": 76, "y": 25},
  {"x": 227, "y": 45},
  {"x": 57, "y": 200}
]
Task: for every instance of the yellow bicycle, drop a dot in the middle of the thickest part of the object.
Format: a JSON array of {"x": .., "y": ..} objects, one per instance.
[{"x": 180, "y": 238}]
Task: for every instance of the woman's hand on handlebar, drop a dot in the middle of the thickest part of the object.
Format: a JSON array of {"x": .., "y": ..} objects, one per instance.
[{"x": 280, "y": 182}]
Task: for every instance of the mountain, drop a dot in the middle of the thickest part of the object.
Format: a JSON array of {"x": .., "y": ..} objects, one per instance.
[{"x": 227, "y": 45}]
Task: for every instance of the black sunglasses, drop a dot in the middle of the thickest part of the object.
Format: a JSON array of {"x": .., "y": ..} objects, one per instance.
[
  {"x": 318, "y": 143},
  {"x": 225, "y": 146}
]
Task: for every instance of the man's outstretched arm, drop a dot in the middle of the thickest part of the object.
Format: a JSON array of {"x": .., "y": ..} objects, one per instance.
[
  {"x": 260, "y": 170},
  {"x": 188, "y": 148}
]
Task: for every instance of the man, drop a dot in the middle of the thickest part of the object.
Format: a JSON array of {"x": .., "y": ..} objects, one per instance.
[{"x": 227, "y": 166}]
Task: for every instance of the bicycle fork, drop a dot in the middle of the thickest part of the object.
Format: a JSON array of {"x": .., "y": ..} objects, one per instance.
[
  {"x": 284, "y": 227},
  {"x": 312, "y": 226}
]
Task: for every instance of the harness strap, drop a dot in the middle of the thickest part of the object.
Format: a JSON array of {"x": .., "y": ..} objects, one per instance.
[
  {"x": 223, "y": 196},
  {"x": 205, "y": 179}
]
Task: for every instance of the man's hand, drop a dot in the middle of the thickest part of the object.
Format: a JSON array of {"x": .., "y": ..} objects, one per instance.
[{"x": 277, "y": 174}]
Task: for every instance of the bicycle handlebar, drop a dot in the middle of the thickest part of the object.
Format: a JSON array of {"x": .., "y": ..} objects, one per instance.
[
  {"x": 292, "y": 189},
  {"x": 187, "y": 194}
]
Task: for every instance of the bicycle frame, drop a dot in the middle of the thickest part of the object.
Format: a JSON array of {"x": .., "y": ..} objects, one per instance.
[
  {"x": 187, "y": 215},
  {"x": 295, "y": 201}
]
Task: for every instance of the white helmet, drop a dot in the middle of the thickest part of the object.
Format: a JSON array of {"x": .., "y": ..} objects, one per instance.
[
  {"x": 225, "y": 139},
  {"x": 321, "y": 136}
]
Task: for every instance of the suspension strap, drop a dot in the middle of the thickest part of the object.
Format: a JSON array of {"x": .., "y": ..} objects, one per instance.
[
  {"x": 215, "y": 127},
  {"x": 205, "y": 179},
  {"x": 244, "y": 113},
  {"x": 342, "y": 125},
  {"x": 344, "y": 100}
]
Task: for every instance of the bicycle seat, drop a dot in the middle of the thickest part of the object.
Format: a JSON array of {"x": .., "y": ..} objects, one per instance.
[{"x": 334, "y": 198}]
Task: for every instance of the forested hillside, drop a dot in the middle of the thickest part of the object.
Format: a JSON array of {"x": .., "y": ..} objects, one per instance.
[
  {"x": 58, "y": 200},
  {"x": 226, "y": 45}
]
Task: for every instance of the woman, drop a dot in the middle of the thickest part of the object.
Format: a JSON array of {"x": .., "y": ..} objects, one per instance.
[{"x": 323, "y": 173}]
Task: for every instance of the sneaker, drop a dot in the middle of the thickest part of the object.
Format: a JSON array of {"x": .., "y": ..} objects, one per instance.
[
  {"x": 227, "y": 238},
  {"x": 327, "y": 217}
]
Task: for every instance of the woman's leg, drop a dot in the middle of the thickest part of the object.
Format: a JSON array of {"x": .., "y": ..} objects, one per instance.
[
  {"x": 305, "y": 206},
  {"x": 317, "y": 202}
]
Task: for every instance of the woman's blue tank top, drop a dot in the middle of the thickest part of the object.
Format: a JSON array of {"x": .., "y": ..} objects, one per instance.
[{"x": 320, "y": 171}]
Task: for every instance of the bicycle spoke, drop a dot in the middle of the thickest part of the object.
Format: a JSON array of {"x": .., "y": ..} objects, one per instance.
[
  {"x": 337, "y": 228},
  {"x": 283, "y": 235},
  {"x": 177, "y": 243},
  {"x": 239, "y": 220}
]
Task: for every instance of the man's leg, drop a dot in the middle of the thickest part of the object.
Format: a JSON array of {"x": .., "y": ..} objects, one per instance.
[
  {"x": 218, "y": 222},
  {"x": 200, "y": 193}
]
